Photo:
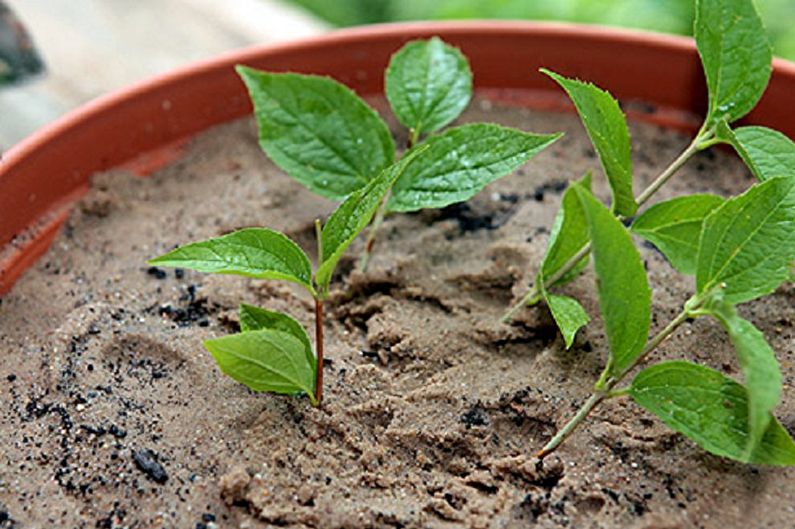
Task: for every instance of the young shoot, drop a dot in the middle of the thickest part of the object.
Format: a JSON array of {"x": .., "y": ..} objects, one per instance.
[
  {"x": 328, "y": 139},
  {"x": 739, "y": 249}
]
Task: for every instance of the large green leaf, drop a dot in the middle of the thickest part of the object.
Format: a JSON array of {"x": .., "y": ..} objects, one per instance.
[
  {"x": 674, "y": 226},
  {"x": 736, "y": 56},
  {"x": 256, "y": 319},
  {"x": 607, "y": 127},
  {"x": 624, "y": 294},
  {"x": 265, "y": 360},
  {"x": 569, "y": 233},
  {"x": 318, "y": 131},
  {"x": 461, "y": 161},
  {"x": 354, "y": 214},
  {"x": 428, "y": 84},
  {"x": 748, "y": 244},
  {"x": 260, "y": 253},
  {"x": 759, "y": 365},
  {"x": 767, "y": 152},
  {"x": 711, "y": 409}
]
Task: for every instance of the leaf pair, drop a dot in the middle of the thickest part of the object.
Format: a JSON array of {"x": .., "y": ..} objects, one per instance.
[
  {"x": 607, "y": 127},
  {"x": 328, "y": 139},
  {"x": 273, "y": 353}
]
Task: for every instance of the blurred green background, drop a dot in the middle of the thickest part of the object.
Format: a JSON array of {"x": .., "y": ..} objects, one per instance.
[{"x": 670, "y": 16}]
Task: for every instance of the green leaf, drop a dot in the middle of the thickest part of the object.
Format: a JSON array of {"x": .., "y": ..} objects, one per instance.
[
  {"x": 767, "y": 152},
  {"x": 318, "y": 131},
  {"x": 265, "y": 360},
  {"x": 256, "y": 319},
  {"x": 252, "y": 252},
  {"x": 460, "y": 162},
  {"x": 759, "y": 365},
  {"x": 428, "y": 84},
  {"x": 569, "y": 233},
  {"x": 354, "y": 214},
  {"x": 736, "y": 56},
  {"x": 674, "y": 226},
  {"x": 568, "y": 314},
  {"x": 607, "y": 128},
  {"x": 711, "y": 409},
  {"x": 624, "y": 295},
  {"x": 748, "y": 244}
]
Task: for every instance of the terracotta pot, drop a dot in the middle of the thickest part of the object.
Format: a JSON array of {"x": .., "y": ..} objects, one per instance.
[{"x": 659, "y": 78}]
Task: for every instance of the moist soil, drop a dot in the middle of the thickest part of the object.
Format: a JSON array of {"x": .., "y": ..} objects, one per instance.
[{"x": 113, "y": 415}]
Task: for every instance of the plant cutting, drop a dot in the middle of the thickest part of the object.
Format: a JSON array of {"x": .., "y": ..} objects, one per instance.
[
  {"x": 738, "y": 249},
  {"x": 324, "y": 136}
]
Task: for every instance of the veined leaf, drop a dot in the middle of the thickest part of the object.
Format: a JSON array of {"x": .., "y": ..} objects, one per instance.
[
  {"x": 265, "y": 360},
  {"x": 428, "y": 84},
  {"x": 674, "y": 226},
  {"x": 736, "y": 55},
  {"x": 568, "y": 314},
  {"x": 252, "y": 252},
  {"x": 710, "y": 409},
  {"x": 459, "y": 162},
  {"x": 256, "y": 319},
  {"x": 747, "y": 245},
  {"x": 569, "y": 233},
  {"x": 624, "y": 295},
  {"x": 318, "y": 131},
  {"x": 767, "y": 152},
  {"x": 607, "y": 127},
  {"x": 759, "y": 365},
  {"x": 354, "y": 214}
]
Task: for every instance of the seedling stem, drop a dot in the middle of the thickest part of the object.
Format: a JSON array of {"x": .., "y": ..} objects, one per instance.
[
  {"x": 372, "y": 233},
  {"x": 604, "y": 388}
]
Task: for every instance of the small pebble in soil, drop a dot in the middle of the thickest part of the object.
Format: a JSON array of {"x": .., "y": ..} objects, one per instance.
[
  {"x": 146, "y": 461},
  {"x": 475, "y": 416},
  {"x": 117, "y": 432},
  {"x": 12, "y": 377},
  {"x": 156, "y": 272}
]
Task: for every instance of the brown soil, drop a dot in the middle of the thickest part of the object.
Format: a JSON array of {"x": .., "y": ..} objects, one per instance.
[{"x": 113, "y": 415}]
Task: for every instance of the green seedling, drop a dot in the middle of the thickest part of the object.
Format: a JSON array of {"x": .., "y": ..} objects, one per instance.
[
  {"x": 273, "y": 352},
  {"x": 328, "y": 139},
  {"x": 739, "y": 249}
]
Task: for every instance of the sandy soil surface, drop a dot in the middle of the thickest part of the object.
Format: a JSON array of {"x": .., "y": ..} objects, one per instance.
[{"x": 113, "y": 415}]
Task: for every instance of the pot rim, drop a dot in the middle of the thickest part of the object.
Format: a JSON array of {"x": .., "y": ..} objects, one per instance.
[{"x": 107, "y": 101}]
